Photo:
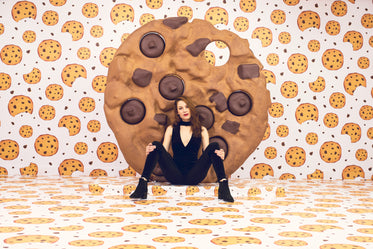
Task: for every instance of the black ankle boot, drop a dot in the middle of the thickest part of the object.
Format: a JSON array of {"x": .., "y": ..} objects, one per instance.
[
  {"x": 141, "y": 191},
  {"x": 224, "y": 192}
]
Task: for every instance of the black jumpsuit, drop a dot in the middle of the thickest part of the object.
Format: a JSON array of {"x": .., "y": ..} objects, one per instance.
[{"x": 185, "y": 168}]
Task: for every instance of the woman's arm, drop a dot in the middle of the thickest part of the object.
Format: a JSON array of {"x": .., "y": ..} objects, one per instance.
[
  {"x": 206, "y": 141},
  {"x": 167, "y": 138},
  {"x": 205, "y": 138}
]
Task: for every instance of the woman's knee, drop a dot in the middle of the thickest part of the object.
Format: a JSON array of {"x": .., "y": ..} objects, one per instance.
[
  {"x": 212, "y": 147},
  {"x": 157, "y": 144}
]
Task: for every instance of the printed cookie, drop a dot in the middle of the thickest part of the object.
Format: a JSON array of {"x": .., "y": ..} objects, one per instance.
[
  {"x": 330, "y": 152},
  {"x": 207, "y": 222},
  {"x": 72, "y": 123},
  {"x": 57, "y": 2},
  {"x": 353, "y": 81},
  {"x": 185, "y": 11},
  {"x": 318, "y": 174},
  {"x": 19, "y": 104},
  {"x": 295, "y": 156},
  {"x": 352, "y": 171},
  {"x": 289, "y": 89},
  {"x": 366, "y": 112},
  {"x": 25, "y": 131},
  {"x": 90, "y": 10},
  {"x": 127, "y": 172},
  {"x": 69, "y": 166},
  {"x": 318, "y": 228},
  {"x": 95, "y": 189},
  {"x": 332, "y": 27},
  {"x": 287, "y": 176},
  {"x": 361, "y": 154},
  {"x": 71, "y": 72},
  {"x": 31, "y": 170},
  {"x": 23, "y": 9},
  {"x": 106, "y": 56},
  {"x": 29, "y": 36},
  {"x": 49, "y": 50},
  {"x": 314, "y": 45},
  {"x": 355, "y": 38},
  {"x": 122, "y": 12},
  {"x": 216, "y": 15},
  {"x": 5, "y": 81},
  {"x": 106, "y": 234},
  {"x": 32, "y": 239},
  {"x": 67, "y": 228},
  {"x": 145, "y": 18},
  {"x": 233, "y": 240},
  {"x": 107, "y": 152},
  {"x": 154, "y": 4},
  {"x": 270, "y": 220},
  {"x": 278, "y": 17},
  {"x": 54, "y": 92},
  {"x": 87, "y": 104},
  {"x": 215, "y": 98},
  {"x": 273, "y": 59},
  {"x": 270, "y": 76},
  {"x": 98, "y": 172},
  {"x": 337, "y": 100},
  {"x": 9, "y": 149},
  {"x": 75, "y": 28},
  {"x": 367, "y": 21},
  {"x": 290, "y": 242},
  {"x": 84, "y": 53},
  {"x": 339, "y": 8},
  {"x": 47, "y": 112},
  {"x": 11, "y": 54},
  {"x": 264, "y": 35},
  {"x": 94, "y": 126},
  {"x": 297, "y": 63},
  {"x": 46, "y": 145},
  {"x": 312, "y": 138},
  {"x": 248, "y": 6},
  {"x": 331, "y": 120},
  {"x": 318, "y": 85},
  {"x": 158, "y": 191},
  {"x": 353, "y": 130},
  {"x": 3, "y": 171},
  {"x": 86, "y": 243},
  {"x": 308, "y": 19},
  {"x": 99, "y": 83},
  {"x": 284, "y": 37},
  {"x": 341, "y": 246},
  {"x": 270, "y": 152},
  {"x": 282, "y": 131},
  {"x": 241, "y": 24},
  {"x": 33, "y": 77},
  {"x": 260, "y": 170},
  {"x": 363, "y": 62},
  {"x": 50, "y": 18},
  {"x": 137, "y": 228},
  {"x": 97, "y": 31},
  {"x": 276, "y": 110},
  {"x": 306, "y": 112},
  {"x": 332, "y": 59}
]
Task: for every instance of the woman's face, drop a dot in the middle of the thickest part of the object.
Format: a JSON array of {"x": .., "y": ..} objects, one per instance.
[{"x": 183, "y": 111}]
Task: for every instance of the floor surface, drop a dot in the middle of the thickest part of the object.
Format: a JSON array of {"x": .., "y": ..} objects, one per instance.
[{"x": 75, "y": 212}]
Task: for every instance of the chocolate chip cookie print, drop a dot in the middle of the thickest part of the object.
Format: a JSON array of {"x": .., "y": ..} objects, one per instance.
[{"x": 163, "y": 60}]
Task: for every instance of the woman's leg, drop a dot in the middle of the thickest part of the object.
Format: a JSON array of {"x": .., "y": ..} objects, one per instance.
[
  {"x": 200, "y": 169},
  {"x": 168, "y": 166}
]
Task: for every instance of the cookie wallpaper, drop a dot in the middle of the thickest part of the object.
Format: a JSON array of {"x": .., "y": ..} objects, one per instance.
[{"x": 317, "y": 58}]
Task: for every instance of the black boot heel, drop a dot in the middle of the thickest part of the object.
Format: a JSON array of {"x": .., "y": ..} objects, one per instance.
[
  {"x": 141, "y": 191},
  {"x": 224, "y": 192}
]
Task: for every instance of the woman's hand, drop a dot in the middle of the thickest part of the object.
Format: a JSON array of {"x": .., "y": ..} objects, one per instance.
[
  {"x": 220, "y": 153},
  {"x": 149, "y": 148}
]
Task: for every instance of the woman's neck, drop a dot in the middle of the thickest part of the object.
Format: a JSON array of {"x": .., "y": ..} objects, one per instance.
[{"x": 186, "y": 123}]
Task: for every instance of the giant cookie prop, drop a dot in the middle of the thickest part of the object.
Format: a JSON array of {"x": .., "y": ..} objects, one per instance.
[{"x": 164, "y": 59}]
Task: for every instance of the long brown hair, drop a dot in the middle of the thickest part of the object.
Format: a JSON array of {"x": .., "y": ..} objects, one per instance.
[{"x": 194, "y": 117}]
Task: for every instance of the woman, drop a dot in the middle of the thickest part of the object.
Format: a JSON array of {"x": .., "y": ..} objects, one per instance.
[{"x": 185, "y": 168}]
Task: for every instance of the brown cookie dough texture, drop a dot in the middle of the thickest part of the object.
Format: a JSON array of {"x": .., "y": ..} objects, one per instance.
[{"x": 163, "y": 60}]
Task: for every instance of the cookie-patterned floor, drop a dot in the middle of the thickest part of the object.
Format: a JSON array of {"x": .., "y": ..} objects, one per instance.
[{"x": 75, "y": 212}]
